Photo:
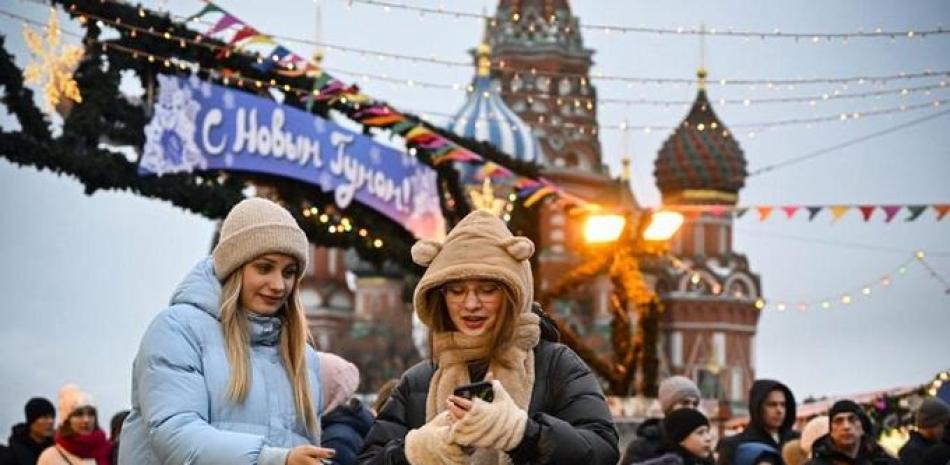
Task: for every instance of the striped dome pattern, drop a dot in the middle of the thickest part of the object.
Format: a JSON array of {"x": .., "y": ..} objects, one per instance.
[
  {"x": 700, "y": 154},
  {"x": 486, "y": 117}
]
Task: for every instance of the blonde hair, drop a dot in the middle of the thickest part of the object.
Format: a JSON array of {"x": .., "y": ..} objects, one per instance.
[
  {"x": 502, "y": 333},
  {"x": 294, "y": 337}
]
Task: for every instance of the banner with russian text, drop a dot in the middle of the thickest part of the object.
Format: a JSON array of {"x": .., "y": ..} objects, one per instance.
[{"x": 198, "y": 126}]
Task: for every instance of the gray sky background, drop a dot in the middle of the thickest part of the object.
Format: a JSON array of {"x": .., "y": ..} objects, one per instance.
[{"x": 83, "y": 276}]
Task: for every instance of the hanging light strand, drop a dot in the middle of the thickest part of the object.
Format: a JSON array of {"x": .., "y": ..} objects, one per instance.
[{"x": 814, "y": 37}]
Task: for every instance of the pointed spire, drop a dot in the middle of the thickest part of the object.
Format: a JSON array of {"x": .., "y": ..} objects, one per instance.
[{"x": 701, "y": 72}]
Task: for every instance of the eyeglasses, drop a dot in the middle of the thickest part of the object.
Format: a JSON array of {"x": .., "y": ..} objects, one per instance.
[{"x": 487, "y": 293}]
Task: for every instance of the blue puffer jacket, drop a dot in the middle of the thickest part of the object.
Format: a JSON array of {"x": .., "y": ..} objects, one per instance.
[{"x": 180, "y": 410}]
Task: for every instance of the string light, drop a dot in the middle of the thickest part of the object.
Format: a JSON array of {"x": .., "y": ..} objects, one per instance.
[
  {"x": 701, "y": 31},
  {"x": 846, "y": 298},
  {"x": 534, "y": 71}
]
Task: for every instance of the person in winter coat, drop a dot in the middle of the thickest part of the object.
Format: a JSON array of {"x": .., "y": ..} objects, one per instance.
[
  {"x": 849, "y": 440},
  {"x": 28, "y": 440},
  {"x": 674, "y": 393},
  {"x": 476, "y": 299},
  {"x": 931, "y": 417},
  {"x": 347, "y": 420},
  {"x": 687, "y": 439},
  {"x": 772, "y": 414},
  {"x": 225, "y": 375},
  {"x": 940, "y": 453},
  {"x": 79, "y": 439}
]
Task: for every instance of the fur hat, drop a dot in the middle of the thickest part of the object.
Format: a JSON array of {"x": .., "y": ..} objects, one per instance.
[
  {"x": 814, "y": 429},
  {"x": 339, "y": 378},
  {"x": 255, "y": 227},
  {"x": 71, "y": 397},
  {"x": 37, "y": 407},
  {"x": 680, "y": 423},
  {"x": 478, "y": 247},
  {"x": 674, "y": 389},
  {"x": 933, "y": 411}
]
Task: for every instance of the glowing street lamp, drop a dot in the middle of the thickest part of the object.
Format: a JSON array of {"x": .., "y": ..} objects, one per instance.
[{"x": 603, "y": 228}]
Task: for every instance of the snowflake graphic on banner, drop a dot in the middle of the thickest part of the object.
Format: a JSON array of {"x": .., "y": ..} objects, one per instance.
[{"x": 170, "y": 135}]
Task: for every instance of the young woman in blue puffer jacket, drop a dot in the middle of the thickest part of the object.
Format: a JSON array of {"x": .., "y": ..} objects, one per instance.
[{"x": 225, "y": 375}]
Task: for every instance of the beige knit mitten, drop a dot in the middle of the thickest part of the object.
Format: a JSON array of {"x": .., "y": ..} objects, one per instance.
[
  {"x": 497, "y": 425},
  {"x": 429, "y": 444}
]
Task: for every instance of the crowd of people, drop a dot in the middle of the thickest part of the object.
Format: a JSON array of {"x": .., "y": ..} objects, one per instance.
[{"x": 227, "y": 375}]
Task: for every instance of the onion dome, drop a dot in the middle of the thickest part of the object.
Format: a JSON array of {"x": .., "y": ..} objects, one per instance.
[
  {"x": 701, "y": 162},
  {"x": 487, "y": 118}
]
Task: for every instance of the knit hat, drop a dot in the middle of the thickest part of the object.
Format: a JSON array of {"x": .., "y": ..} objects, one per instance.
[
  {"x": 255, "y": 227},
  {"x": 674, "y": 389},
  {"x": 680, "y": 423},
  {"x": 814, "y": 429},
  {"x": 933, "y": 411},
  {"x": 478, "y": 247},
  {"x": 339, "y": 379},
  {"x": 849, "y": 406},
  {"x": 71, "y": 397},
  {"x": 38, "y": 407}
]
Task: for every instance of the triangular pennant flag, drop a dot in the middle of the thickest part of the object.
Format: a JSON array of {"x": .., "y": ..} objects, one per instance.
[
  {"x": 790, "y": 210},
  {"x": 225, "y": 22},
  {"x": 915, "y": 211},
  {"x": 257, "y": 39},
  {"x": 942, "y": 210},
  {"x": 738, "y": 212},
  {"x": 243, "y": 33},
  {"x": 890, "y": 211},
  {"x": 764, "y": 212},
  {"x": 813, "y": 212},
  {"x": 209, "y": 8},
  {"x": 279, "y": 53},
  {"x": 837, "y": 211},
  {"x": 866, "y": 211}
]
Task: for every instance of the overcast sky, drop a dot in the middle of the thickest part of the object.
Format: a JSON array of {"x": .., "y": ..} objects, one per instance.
[{"x": 84, "y": 275}]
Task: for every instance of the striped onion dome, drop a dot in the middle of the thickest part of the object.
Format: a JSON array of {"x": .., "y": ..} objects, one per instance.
[
  {"x": 486, "y": 117},
  {"x": 701, "y": 154}
]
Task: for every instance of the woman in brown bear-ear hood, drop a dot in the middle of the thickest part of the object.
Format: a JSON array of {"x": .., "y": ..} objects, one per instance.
[{"x": 476, "y": 299}]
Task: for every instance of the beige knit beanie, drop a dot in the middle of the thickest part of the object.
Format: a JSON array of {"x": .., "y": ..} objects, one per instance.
[
  {"x": 479, "y": 247},
  {"x": 255, "y": 227},
  {"x": 71, "y": 397}
]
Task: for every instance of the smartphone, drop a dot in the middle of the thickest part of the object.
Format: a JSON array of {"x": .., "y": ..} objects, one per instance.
[{"x": 481, "y": 390}]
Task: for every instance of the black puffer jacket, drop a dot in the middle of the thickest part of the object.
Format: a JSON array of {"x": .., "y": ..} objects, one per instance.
[
  {"x": 914, "y": 449},
  {"x": 870, "y": 453},
  {"x": 22, "y": 449},
  {"x": 755, "y": 431},
  {"x": 568, "y": 419},
  {"x": 647, "y": 445}
]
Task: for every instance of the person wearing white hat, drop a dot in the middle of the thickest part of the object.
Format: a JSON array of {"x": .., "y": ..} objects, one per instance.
[
  {"x": 225, "y": 375},
  {"x": 78, "y": 439}
]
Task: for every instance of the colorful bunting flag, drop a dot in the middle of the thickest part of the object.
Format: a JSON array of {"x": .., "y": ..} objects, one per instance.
[
  {"x": 890, "y": 211},
  {"x": 838, "y": 211},
  {"x": 243, "y": 33},
  {"x": 764, "y": 212},
  {"x": 915, "y": 211},
  {"x": 208, "y": 8},
  {"x": 225, "y": 22},
  {"x": 866, "y": 211},
  {"x": 790, "y": 210},
  {"x": 813, "y": 212},
  {"x": 942, "y": 210},
  {"x": 738, "y": 212}
]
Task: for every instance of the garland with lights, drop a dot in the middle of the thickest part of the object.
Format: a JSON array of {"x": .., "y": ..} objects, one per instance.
[{"x": 105, "y": 116}]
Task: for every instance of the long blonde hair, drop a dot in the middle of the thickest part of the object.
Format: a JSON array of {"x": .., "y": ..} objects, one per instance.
[{"x": 294, "y": 337}]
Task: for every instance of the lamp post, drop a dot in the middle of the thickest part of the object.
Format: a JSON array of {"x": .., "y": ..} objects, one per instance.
[{"x": 618, "y": 239}]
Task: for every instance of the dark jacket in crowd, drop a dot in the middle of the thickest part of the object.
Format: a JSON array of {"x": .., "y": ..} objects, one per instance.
[
  {"x": 914, "y": 449},
  {"x": 22, "y": 449},
  {"x": 344, "y": 429},
  {"x": 939, "y": 454},
  {"x": 870, "y": 453},
  {"x": 568, "y": 421},
  {"x": 755, "y": 431},
  {"x": 647, "y": 445}
]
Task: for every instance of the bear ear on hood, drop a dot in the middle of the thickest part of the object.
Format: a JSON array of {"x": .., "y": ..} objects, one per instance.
[
  {"x": 424, "y": 251},
  {"x": 519, "y": 247}
]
